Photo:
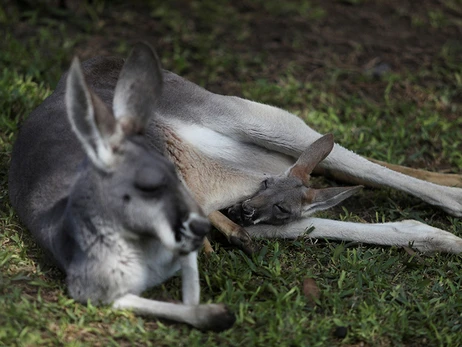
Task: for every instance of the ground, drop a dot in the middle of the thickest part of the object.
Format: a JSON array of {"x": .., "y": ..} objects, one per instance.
[{"x": 385, "y": 77}]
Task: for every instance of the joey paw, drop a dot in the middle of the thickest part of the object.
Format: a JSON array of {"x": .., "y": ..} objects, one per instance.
[{"x": 243, "y": 241}]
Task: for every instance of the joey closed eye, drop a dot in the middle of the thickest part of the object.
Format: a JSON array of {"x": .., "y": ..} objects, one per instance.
[{"x": 281, "y": 209}]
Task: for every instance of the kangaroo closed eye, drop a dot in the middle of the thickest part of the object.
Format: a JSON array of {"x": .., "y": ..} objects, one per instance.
[{"x": 149, "y": 181}]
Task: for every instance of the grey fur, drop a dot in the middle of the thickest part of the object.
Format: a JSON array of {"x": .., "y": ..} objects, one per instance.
[{"x": 222, "y": 148}]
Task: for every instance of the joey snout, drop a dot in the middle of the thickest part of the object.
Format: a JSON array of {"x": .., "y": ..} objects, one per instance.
[
  {"x": 243, "y": 213},
  {"x": 248, "y": 210}
]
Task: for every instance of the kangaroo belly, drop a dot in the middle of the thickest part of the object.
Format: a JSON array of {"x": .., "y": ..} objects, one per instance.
[
  {"x": 232, "y": 152},
  {"x": 218, "y": 169}
]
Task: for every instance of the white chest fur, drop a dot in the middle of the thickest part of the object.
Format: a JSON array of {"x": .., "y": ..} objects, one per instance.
[{"x": 117, "y": 267}]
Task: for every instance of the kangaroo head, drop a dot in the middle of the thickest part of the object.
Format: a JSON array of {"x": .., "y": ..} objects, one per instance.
[
  {"x": 131, "y": 188},
  {"x": 282, "y": 199}
]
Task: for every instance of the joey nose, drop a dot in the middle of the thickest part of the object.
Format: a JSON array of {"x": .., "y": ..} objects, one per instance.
[{"x": 247, "y": 209}]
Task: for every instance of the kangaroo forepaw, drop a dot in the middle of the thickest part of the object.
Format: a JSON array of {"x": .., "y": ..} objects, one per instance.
[{"x": 214, "y": 317}]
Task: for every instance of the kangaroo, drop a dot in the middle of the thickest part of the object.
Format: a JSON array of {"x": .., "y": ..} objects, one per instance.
[
  {"x": 96, "y": 193},
  {"x": 105, "y": 204},
  {"x": 231, "y": 152},
  {"x": 283, "y": 204}
]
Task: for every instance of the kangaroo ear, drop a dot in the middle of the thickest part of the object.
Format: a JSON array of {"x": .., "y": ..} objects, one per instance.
[
  {"x": 138, "y": 89},
  {"x": 91, "y": 120},
  {"x": 311, "y": 157},
  {"x": 321, "y": 199}
]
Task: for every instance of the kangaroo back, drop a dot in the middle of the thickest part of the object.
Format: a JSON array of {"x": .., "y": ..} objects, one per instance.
[{"x": 47, "y": 154}]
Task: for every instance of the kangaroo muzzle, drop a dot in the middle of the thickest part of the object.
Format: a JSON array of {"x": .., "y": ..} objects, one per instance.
[{"x": 197, "y": 225}]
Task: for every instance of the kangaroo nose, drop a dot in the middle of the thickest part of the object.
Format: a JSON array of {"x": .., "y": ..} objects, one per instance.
[{"x": 198, "y": 225}]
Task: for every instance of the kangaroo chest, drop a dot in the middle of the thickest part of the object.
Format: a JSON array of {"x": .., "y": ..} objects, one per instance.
[{"x": 117, "y": 267}]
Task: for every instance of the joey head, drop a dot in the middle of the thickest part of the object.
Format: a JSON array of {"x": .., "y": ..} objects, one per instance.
[{"x": 287, "y": 197}]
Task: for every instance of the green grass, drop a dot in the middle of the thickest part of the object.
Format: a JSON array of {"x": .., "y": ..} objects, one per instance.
[{"x": 261, "y": 50}]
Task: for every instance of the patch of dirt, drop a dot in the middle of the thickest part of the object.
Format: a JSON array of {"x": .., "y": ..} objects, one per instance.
[
  {"x": 356, "y": 38},
  {"x": 389, "y": 35},
  {"x": 396, "y": 34}
]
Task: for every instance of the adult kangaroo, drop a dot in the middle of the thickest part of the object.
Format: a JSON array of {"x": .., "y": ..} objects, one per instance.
[
  {"x": 102, "y": 201},
  {"x": 252, "y": 159}
]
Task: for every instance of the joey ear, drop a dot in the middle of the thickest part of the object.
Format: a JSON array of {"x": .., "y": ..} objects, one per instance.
[
  {"x": 322, "y": 199},
  {"x": 90, "y": 119},
  {"x": 138, "y": 88},
  {"x": 311, "y": 157}
]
